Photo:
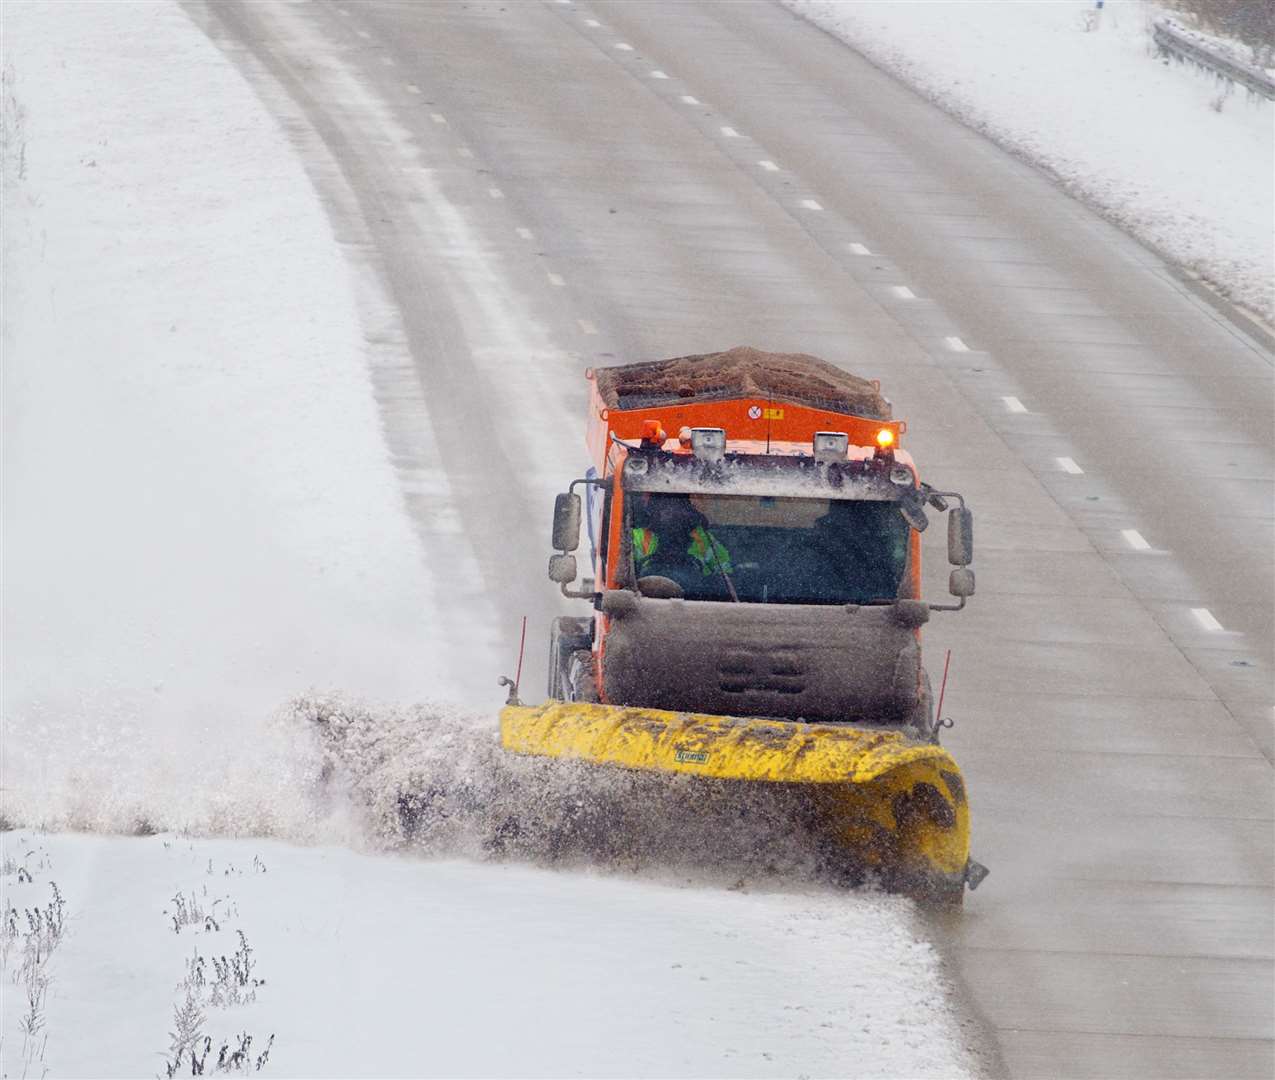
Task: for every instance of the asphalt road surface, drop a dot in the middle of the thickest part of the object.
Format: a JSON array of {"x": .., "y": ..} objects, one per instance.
[{"x": 545, "y": 186}]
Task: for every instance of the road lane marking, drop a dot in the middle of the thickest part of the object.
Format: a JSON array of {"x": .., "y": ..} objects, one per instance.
[
  {"x": 810, "y": 204},
  {"x": 592, "y": 22},
  {"x": 364, "y": 35},
  {"x": 526, "y": 234},
  {"x": 464, "y": 151},
  {"x": 688, "y": 100},
  {"x": 343, "y": 11},
  {"x": 859, "y": 249},
  {"x": 769, "y": 166},
  {"x": 1135, "y": 539},
  {"x": 623, "y": 46},
  {"x": 555, "y": 279},
  {"x": 658, "y": 75},
  {"x": 1206, "y": 620},
  {"x": 412, "y": 88},
  {"x": 903, "y": 292},
  {"x": 1069, "y": 466},
  {"x": 730, "y": 133},
  {"x": 1013, "y": 404},
  {"x": 388, "y": 61},
  {"x": 956, "y": 344},
  {"x": 587, "y": 326},
  {"x": 495, "y": 193},
  {"x": 437, "y": 117}
]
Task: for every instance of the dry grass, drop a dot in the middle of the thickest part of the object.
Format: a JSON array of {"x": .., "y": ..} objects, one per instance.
[{"x": 1251, "y": 22}]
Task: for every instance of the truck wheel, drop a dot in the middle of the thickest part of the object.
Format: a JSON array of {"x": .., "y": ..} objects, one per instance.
[
  {"x": 582, "y": 684},
  {"x": 567, "y": 636}
]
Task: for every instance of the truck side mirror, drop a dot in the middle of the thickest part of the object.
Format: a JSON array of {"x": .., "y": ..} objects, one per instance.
[
  {"x": 960, "y": 541},
  {"x": 562, "y": 569},
  {"x": 566, "y": 524},
  {"x": 961, "y": 582}
]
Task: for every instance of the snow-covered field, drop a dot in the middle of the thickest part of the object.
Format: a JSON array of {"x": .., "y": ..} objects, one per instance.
[
  {"x": 201, "y": 524},
  {"x": 382, "y": 966},
  {"x": 1159, "y": 147}
]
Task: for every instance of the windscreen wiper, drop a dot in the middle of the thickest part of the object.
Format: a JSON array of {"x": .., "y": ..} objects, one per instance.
[{"x": 730, "y": 585}]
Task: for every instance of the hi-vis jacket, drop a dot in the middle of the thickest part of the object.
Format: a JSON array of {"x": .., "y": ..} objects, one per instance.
[{"x": 707, "y": 551}]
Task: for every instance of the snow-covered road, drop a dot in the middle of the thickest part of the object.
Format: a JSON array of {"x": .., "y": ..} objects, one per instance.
[{"x": 340, "y": 477}]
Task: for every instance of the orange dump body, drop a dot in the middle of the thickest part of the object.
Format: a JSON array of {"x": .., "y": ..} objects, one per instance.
[{"x": 758, "y": 420}]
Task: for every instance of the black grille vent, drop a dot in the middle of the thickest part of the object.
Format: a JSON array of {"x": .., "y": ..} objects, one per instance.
[{"x": 776, "y": 669}]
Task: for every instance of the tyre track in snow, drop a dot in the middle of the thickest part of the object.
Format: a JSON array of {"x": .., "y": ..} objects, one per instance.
[{"x": 457, "y": 338}]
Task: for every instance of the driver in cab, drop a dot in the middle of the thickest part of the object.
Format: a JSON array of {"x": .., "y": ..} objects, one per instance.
[{"x": 671, "y": 538}]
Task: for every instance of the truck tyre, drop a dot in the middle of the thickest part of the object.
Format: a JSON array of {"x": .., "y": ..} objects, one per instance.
[
  {"x": 582, "y": 683},
  {"x": 567, "y": 636}
]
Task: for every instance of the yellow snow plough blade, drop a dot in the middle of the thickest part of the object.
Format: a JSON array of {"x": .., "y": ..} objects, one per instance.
[{"x": 892, "y": 804}]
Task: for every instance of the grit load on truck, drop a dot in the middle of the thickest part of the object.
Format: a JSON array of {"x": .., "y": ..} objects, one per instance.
[{"x": 753, "y": 532}]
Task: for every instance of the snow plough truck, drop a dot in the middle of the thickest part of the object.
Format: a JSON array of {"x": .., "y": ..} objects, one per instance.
[{"x": 754, "y": 544}]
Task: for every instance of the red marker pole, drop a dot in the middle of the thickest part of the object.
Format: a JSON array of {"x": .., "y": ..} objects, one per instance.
[{"x": 523, "y": 643}]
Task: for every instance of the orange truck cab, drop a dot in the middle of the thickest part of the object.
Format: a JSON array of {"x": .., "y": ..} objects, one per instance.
[{"x": 753, "y": 539}]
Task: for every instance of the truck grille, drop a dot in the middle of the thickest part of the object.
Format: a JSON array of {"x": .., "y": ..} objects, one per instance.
[{"x": 776, "y": 669}]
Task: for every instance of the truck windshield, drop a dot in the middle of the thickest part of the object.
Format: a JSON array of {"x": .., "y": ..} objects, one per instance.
[{"x": 775, "y": 550}]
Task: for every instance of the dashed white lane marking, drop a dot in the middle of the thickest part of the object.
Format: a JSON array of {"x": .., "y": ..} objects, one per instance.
[
  {"x": 903, "y": 292},
  {"x": 623, "y": 46},
  {"x": 437, "y": 117},
  {"x": 464, "y": 151},
  {"x": 592, "y": 22},
  {"x": 769, "y": 166},
  {"x": 730, "y": 133},
  {"x": 1069, "y": 466},
  {"x": 388, "y": 61},
  {"x": 658, "y": 75},
  {"x": 587, "y": 326},
  {"x": 810, "y": 204},
  {"x": 688, "y": 100},
  {"x": 1135, "y": 539},
  {"x": 343, "y": 11},
  {"x": 495, "y": 193},
  {"x": 526, "y": 234},
  {"x": 859, "y": 249},
  {"x": 555, "y": 279},
  {"x": 1205, "y": 618},
  {"x": 956, "y": 344},
  {"x": 364, "y": 35},
  {"x": 412, "y": 88},
  {"x": 1013, "y": 404}
]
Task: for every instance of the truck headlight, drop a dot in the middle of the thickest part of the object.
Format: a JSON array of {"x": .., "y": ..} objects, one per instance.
[
  {"x": 708, "y": 443},
  {"x": 831, "y": 445}
]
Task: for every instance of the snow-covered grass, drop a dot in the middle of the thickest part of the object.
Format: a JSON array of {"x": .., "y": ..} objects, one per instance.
[
  {"x": 28, "y": 939},
  {"x": 1157, "y": 146},
  {"x": 376, "y": 966}
]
